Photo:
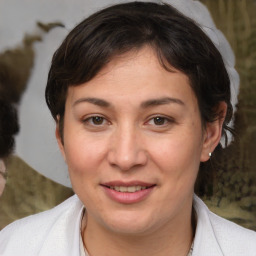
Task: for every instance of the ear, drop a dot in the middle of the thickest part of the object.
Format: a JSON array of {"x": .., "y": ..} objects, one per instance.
[
  {"x": 59, "y": 138},
  {"x": 213, "y": 132}
]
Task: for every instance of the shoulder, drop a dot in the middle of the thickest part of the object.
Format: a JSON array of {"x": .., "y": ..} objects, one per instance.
[
  {"x": 231, "y": 238},
  {"x": 29, "y": 234}
]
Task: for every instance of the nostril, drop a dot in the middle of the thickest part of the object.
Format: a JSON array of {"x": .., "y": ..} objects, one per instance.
[{"x": 125, "y": 160}]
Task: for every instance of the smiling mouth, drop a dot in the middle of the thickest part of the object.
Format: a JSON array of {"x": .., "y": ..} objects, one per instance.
[
  {"x": 128, "y": 192},
  {"x": 129, "y": 189}
]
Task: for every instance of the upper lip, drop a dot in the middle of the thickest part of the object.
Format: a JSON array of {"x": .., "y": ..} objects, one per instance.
[{"x": 119, "y": 183}]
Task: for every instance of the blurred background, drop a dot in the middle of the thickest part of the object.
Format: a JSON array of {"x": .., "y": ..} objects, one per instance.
[{"x": 30, "y": 31}]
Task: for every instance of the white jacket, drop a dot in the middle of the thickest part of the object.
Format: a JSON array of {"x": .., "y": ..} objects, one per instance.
[{"x": 56, "y": 233}]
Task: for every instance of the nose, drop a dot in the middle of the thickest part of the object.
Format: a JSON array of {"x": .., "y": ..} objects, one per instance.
[{"x": 127, "y": 150}]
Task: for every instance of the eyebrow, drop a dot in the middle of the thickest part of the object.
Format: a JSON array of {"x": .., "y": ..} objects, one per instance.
[
  {"x": 145, "y": 104},
  {"x": 95, "y": 101},
  {"x": 161, "y": 101}
]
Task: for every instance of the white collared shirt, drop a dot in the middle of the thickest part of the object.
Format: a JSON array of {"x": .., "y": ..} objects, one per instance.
[{"x": 57, "y": 233}]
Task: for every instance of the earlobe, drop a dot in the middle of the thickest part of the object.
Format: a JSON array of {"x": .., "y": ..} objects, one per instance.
[{"x": 213, "y": 132}]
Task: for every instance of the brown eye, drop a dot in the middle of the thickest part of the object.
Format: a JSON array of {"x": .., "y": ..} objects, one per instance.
[
  {"x": 97, "y": 120},
  {"x": 159, "y": 120}
]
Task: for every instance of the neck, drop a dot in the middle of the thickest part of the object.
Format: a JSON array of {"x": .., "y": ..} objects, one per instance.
[{"x": 171, "y": 239}]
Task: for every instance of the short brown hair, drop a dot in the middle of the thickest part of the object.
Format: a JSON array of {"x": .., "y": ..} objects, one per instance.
[{"x": 118, "y": 29}]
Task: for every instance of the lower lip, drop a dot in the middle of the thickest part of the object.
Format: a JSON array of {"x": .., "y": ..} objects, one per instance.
[{"x": 126, "y": 197}]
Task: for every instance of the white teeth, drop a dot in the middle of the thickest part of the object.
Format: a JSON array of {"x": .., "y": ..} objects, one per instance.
[
  {"x": 130, "y": 189},
  {"x": 116, "y": 188},
  {"x": 123, "y": 189}
]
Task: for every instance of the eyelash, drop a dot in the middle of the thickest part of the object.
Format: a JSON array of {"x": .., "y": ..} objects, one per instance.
[
  {"x": 166, "y": 120},
  {"x": 163, "y": 121},
  {"x": 90, "y": 120}
]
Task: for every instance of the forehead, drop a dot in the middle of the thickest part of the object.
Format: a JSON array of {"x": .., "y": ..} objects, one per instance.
[{"x": 136, "y": 75}]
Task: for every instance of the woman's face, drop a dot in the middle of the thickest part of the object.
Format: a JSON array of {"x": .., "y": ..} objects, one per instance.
[
  {"x": 133, "y": 141},
  {"x": 2, "y": 176}
]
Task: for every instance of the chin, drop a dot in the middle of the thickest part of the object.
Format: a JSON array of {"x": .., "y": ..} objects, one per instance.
[{"x": 129, "y": 223}]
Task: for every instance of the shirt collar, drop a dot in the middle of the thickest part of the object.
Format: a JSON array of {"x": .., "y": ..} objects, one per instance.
[{"x": 205, "y": 242}]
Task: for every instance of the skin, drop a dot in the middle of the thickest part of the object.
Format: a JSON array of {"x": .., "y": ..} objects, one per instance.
[{"x": 130, "y": 132}]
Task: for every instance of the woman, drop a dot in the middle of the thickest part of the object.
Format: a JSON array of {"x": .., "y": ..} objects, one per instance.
[{"x": 141, "y": 98}]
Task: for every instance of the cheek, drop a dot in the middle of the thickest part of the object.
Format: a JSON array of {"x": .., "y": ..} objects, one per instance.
[
  {"x": 178, "y": 155},
  {"x": 84, "y": 155}
]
